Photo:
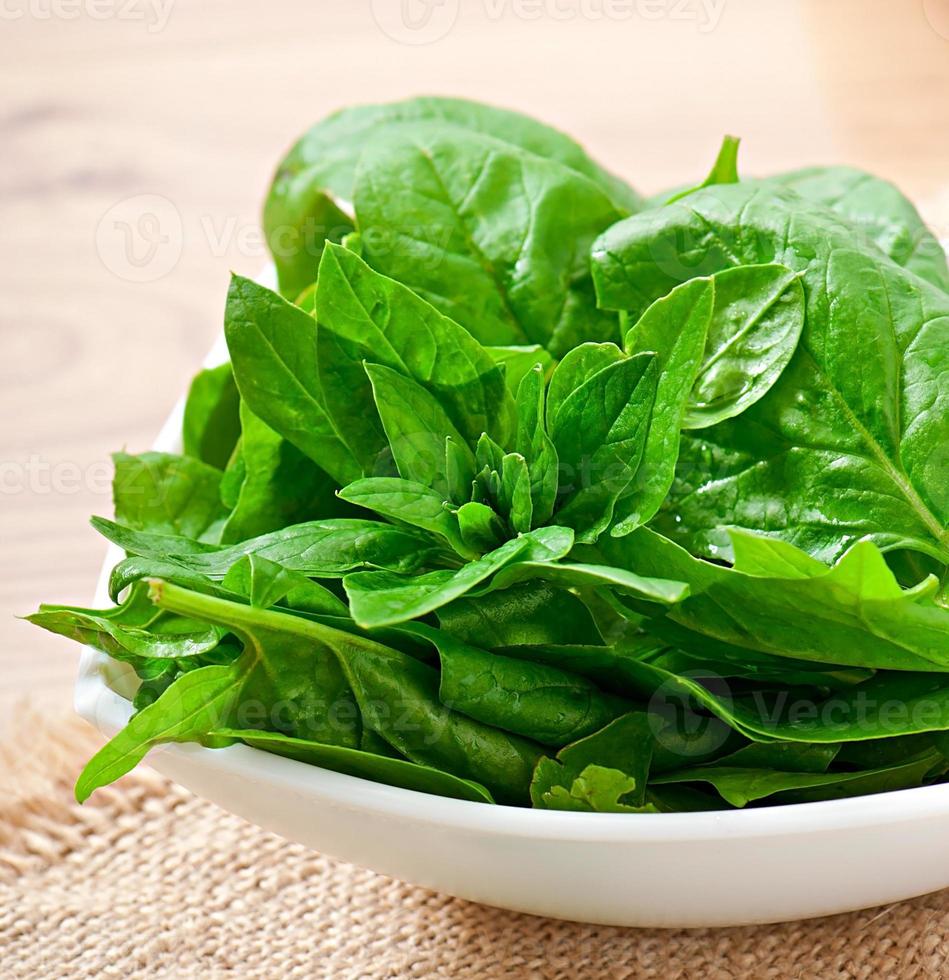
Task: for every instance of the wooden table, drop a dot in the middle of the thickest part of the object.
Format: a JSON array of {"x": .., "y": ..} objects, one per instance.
[{"x": 196, "y": 108}]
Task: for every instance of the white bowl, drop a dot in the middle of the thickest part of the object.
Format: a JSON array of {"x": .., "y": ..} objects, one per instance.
[{"x": 680, "y": 869}]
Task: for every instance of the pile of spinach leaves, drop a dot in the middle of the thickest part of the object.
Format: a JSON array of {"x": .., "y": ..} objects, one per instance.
[{"x": 524, "y": 489}]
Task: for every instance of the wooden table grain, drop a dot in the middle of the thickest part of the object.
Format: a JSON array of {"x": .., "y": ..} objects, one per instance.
[{"x": 179, "y": 109}]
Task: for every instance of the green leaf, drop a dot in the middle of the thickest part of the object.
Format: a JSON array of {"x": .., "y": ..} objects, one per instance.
[
  {"x": 396, "y": 694},
  {"x": 134, "y": 568},
  {"x": 376, "y": 319},
  {"x": 265, "y": 583},
  {"x": 526, "y": 614},
  {"x": 599, "y": 432},
  {"x": 740, "y": 786},
  {"x": 168, "y": 494},
  {"x": 192, "y": 706},
  {"x": 534, "y": 444},
  {"x": 323, "y": 163},
  {"x": 298, "y": 224},
  {"x": 878, "y": 211},
  {"x": 598, "y": 790},
  {"x": 624, "y": 745},
  {"x": 399, "y": 700},
  {"x": 172, "y": 639},
  {"x": 784, "y": 756},
  {"x": 134, "y": 631},
  {"x": 852, "y": 614},
  {"x": 211, "y": 425},
  {"x": 517, "y": 360},
  {"x": 413, "y": 503},
  {"x": 488, "y": 454},
  {"x": 753, "y": 333},
  {"x": 416, "y": 427},
  {"x": 273, "y": 352},
  {"x": 365, "y": 765},
  {"x": 480, "y": 527},
  {"x": 515, "y": 492},
  {"x": 383, "y": 598},
  {"x": 543, "y": 703},
  {"x": 831, "y": 453},
  {"x": 675, "y": 328},
  {"x": 322, "y": 549},
  {"x": 459, "y": 471},
  {"x": 576, "y": 368},
  {"x": 496, "y": 238},
  {"x": 575, "y": 575},
  {"x": 724, "y": 170},
  {"x": 291, "y": 680},
  {"x": 277, "y": 485}
]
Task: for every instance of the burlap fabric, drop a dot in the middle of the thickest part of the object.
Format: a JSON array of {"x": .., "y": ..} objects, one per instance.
[{"x": 147, "y": 881}]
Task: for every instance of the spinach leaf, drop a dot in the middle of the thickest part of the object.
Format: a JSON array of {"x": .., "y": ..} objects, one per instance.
[
  {"x": 830, "y": 454},
  {"x": 185, "y": 712},
  {"x": 265, "y": 583},
  {"x": 514, "y": 493},
  {"x": 323, "y": 163},
  {"x": 322, "y": 549},
  {"x": 385, "y": 598},
  {"x": 416, "y": 427},
  {"x": 525, "y": 614},
  {"x": 412, "y": 503},
  {"x": 135, "y": 568},
  {"x": 753, "y": 333},
  {"x": 211, "y": 425},
  {"x": 890, "y": 705},
  {"x": 784, "y": 756},
  {"x": 277, "y": 486},
  {"x": 371, "y": 317},
  {"x": 439, "y": 207},
  {"x": 300, "y": 219},
  {"x": 291, "y": 679},
  {"x": 542, "y": 703},
  {"x": 724, "y": 170},
  {"x": 396, "y": 694},
  {"x": 399, "y": 700},
  {"x": 162, "y": 637},
  {"x": 578, "y": 576},
  {"x": 675, "y": 328},
  {"x": 575, "y": 368},
  {"x": 366, "y": 765},
  {"x": 624, "y": 746},
  {"x": 599, "y": 432},
  {"x": 535, "y": 446},
  {"x": 597, "y": 789},
  {"x": 481, "y": 528},
  {"x": 740, "y": 786},
  {"x": 516, "y": 361},
  {"x": 852, "y": 614},
  {"x": 878, "y": 209},
  {"x": 273, "y": 351},
  {"x": 459, "y": 471},
  {"x": 168, "y": 494}
]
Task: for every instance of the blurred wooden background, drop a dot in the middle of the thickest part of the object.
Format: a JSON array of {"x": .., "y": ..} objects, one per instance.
[{"x": 192, "y": 102}]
